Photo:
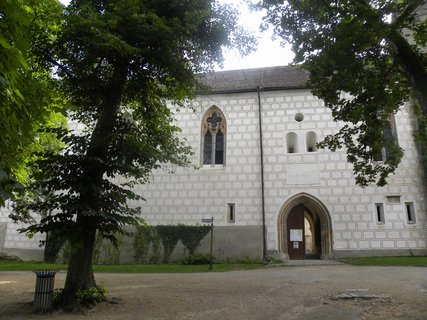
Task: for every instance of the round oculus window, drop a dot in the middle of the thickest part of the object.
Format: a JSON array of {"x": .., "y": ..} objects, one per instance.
[{"x": 299, "y": 117}]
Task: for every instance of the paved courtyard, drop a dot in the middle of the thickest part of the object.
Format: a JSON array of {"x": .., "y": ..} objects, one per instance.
[{"x": 291, "y": 292}]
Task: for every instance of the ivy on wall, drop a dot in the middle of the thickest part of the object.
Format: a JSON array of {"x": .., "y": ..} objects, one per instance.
[
  {"x": 105, "y": 252},
  {"x": 149, "y": 238},
  {"x": 145, "y": 241},
  {"x": 148, "y": 243},
  {"x": 421, "y": 135},
  {"x": 55, "y": 240}
]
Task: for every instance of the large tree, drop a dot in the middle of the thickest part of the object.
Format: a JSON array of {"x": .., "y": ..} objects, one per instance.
[
  {"x": 365, "y": 58},
  {"x": 120, "y": 62}
]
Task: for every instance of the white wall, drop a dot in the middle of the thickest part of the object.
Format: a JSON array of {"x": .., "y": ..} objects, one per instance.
[{"x": 190, "y": 195}]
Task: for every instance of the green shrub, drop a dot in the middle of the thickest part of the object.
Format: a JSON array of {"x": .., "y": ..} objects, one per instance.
[
  {"x": 195, "y": 259},
  {"x": 152, "y": 238},
  {"x": 91, "y": 296},
  {"x": 85, "y": 298},
  {"x": 57, "y": 297}
]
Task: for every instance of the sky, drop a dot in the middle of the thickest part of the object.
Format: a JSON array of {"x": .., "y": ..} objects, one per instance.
[{"x": 269, "y": 52}]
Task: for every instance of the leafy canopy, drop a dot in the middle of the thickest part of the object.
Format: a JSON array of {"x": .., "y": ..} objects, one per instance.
[
  {"x": 28, "y": 99},
  {"x": 363, "y": 68}
]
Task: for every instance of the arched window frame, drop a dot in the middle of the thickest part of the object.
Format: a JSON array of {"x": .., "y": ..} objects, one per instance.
[
  {"x": 389, "y": 134},
  {"x": 215, "y": 128},
  {"x": 311, "y": 141},
  {"x": 291, "y": 142}
]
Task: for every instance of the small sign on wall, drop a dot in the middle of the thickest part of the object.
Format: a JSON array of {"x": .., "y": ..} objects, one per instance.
[
  {"x": 295, "y": 234},
  {"x": 296, "y": 244}
]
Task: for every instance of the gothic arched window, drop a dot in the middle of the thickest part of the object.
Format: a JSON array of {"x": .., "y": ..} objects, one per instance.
[
  {"x": 390, "y": 142},
  {"x": 213, "y": 137}
]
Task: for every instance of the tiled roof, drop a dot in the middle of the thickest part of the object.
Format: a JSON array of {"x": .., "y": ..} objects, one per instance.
[{"x": 245, "y": 80}]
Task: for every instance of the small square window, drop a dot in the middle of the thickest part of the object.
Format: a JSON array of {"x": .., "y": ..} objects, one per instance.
[
  {"x": 231, "y": 212},
  {"x": 379, "y": 213},
  {"x": 410, "y": 212}
]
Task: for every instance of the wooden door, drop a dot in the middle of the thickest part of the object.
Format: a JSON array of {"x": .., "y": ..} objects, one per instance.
[{"x": 296, "y": 236}]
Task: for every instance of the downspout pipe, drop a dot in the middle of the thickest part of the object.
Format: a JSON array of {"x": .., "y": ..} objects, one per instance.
[{"x": 264, "y": 235}]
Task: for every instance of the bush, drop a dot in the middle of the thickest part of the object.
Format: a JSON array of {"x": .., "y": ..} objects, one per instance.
[
  {"x": 85, "y": 298},
  {"x": 91, "y": 296},
  {"x": 57, "y": 297},
  {"x": 194, "y": 259}
]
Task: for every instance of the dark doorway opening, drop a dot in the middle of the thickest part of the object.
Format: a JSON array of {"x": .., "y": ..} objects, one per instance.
[{"x": 303, "y": 234}]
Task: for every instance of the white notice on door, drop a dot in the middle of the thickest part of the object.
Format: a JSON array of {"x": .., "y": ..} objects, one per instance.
[{"x": 295, "y": 234}]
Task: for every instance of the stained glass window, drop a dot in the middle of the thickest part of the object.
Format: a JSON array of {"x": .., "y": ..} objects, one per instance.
[
  {"x": 213, "y": 137},
  {"x": 219, "y": 148},
  {"x": 207, "y": 154}
]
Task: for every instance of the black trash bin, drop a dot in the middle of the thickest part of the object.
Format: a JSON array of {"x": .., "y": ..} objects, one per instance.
[{"x": 43, "y": 294}]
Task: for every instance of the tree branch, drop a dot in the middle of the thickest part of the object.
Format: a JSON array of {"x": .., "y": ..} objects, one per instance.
[
  {"x": 412, "y": 65},
  {"x": 410, "y": 9},
  {"x": 61, "y": 67}
]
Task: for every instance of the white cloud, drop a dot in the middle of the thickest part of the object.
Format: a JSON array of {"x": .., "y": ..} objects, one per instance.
[{"x": 269, "y": 52}]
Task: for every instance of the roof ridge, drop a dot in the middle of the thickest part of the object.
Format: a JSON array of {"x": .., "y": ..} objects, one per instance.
[{"x": 247, "y": 80}]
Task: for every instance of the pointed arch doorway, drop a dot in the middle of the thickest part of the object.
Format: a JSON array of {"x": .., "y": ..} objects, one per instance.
[{"x": 305, "y": 230}]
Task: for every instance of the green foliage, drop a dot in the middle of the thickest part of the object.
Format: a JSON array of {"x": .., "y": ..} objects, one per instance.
[
  {"x": 30, "y": 103},
  {"x": 386, "y": 261},
  {"x": 57, "y": 297},
  {"x": 119, "y": 63},
  {"x": 54, "y": 242},
  {"x": 190, "y": 236},
  {"x": 105, "y": 252},
  {"x": 66, "y": 252},
  {"x": 273, "y": 259},
  {"x": 125, "y": 66},
  {"x": 85, "y": 298},
  {"x": 91, "y": 296},
  {"x": 146, "y": 244},
  {"x": 134, "y": 268},
  {"x": 421, "y": 136},
  {"x": 361, "y": 66},
  {"x": 248, "y": 260},
  {"x": 196, "y": 259},
  {"x": 168, "y": 236}
]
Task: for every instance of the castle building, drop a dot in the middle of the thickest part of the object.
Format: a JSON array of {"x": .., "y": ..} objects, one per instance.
[{"x": 269, "y": 189}]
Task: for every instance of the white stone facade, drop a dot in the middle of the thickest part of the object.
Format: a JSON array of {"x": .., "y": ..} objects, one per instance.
[
  {"x": 16, "y": 243},
  {"x": 322, "y": 176},
  {"x": 190, "y": 195}
]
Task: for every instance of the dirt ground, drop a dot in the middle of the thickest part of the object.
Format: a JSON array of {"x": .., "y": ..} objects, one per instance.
[{"x": 290, "y": 292}]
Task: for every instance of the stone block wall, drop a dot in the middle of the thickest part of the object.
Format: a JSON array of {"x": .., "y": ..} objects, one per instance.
[
  {"x": 15, "y": 243},
  {"x": 190, "y": 195}
]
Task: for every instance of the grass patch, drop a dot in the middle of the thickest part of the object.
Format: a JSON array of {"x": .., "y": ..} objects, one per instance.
[
  {"x": 174, "y": 268},
  {"x": 134, "y": 268},
  {"x": 386, "y": 261},
  {"x": 30, "y": 266}
]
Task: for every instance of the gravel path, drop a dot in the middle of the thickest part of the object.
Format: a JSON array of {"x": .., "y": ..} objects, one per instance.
[{"x": 291, "y": 292}]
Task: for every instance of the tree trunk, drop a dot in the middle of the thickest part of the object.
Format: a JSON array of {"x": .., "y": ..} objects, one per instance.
[
  {"x": 411, "y": 62},
  {"x": 80, "y": 273},
  {"x": 413, "y": 67},
  {"x": 55, "y": 240}
]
